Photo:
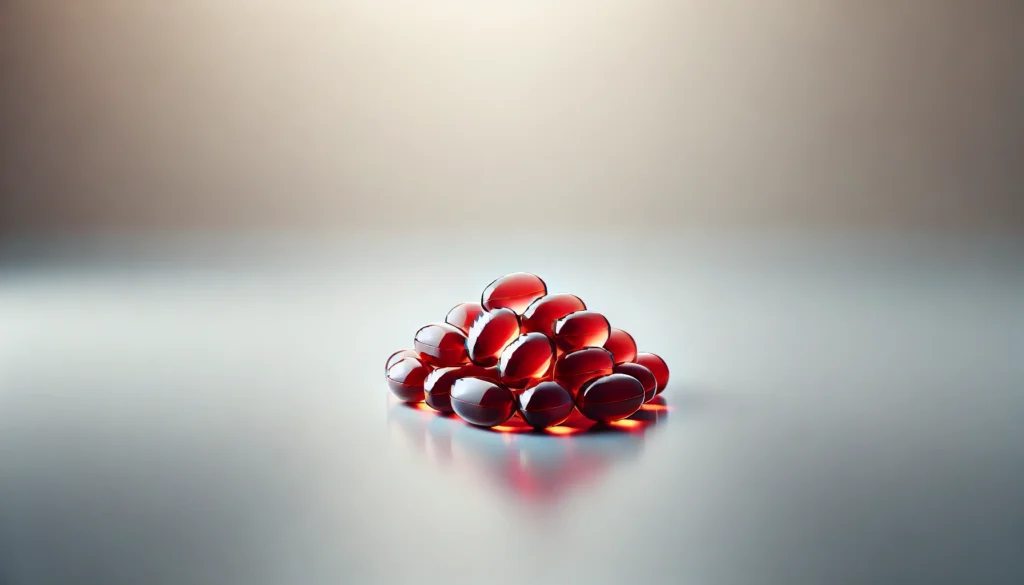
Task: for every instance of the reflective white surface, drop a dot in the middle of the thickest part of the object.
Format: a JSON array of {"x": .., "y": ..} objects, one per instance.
[{"x": 842, "y": 410}]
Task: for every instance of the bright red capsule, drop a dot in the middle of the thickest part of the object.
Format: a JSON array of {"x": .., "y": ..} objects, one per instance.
[
  {"x": 542, "y": 313},
  {"x": 437, "y": 386},
  {"x": 657, "y": 366},
  {"x": 545, "y": 405},
  {"x": 482, "y": 402},
  {"x": 402, "y": 353},
  {"x": 462, "y": 315},
  {"x": 525, "y": 360},
  {"x": 643, "y": 375},
  {"x": 581, "y": 329},
  {"x": 514, "y": 291},
  {"x": 441, "y": 345},
  {"x": 610, "y": 398},
  {"x": 405, "y": 378},
  {"x": 492, "y": 332},
  {"x": 622, "y": 345},
  {"x": 576, "y": 368}
]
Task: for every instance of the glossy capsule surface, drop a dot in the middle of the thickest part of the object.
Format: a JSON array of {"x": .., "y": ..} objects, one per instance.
[
  {"x": 622, "y": 345},
  {"x": 542, "y": 313},
  {"x": 643, "y": 375},
  {"x": 513, "y": 291},
  {"x": 581, "y": 329},
  {"x": 405, "y": 378},
  {"x": 657, "y": 366},
  {"x": 545, "y": 405},
  {"x": 437, "y": 386},
  {"x": 576, "y": 368},
  {"x": 441, "y": 345},
  {"x": 482, "y": 402},
  {"x": 610, "y": 398},
  {"x": 462, "y": 315},
  {"x": 527, "y": 359},
  {"x": 402, "y": 353},
  {"x": 492, "y": 332}
]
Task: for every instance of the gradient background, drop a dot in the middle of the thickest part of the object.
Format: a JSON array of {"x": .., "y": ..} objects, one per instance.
[{"x": 217, "y": 219}]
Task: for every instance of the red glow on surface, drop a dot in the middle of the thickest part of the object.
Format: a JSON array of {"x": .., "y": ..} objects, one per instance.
[
  {"x": 627, "y": 424},
  {"x": 563, "y": 430},
  {"x": 658, "y": 407},
  {"x": 423, "y": 406}
]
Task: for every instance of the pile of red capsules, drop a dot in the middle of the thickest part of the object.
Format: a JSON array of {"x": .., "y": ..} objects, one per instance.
[{"x": 522, "y": 350}]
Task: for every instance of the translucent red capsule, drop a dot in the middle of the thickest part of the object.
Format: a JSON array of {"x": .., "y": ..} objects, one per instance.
[
  {"x": 492, "y": 332},
  {"x": 610, "y": 398},
  {"x": 581, "y": 329},
  {"x": 657, "y": 366},
  {"x": 441, "y": 345},
  {"x": 547, "y": 404},
  {"x": 643, "y": 375},
  {"x": 527, "y": 359},
  {"x": 622, "y": 345},
  {"x": 405, "y": 378},
  {"x": 402, "y": 353},
  {"x": 462, "y": 315},
  {"x": 576, "y": 368},
  {"x": 542, "y": 313},
  {"x": 482, "y": 402},
  {"x": 437, "y": 386},
  {"x": 513, "y": 291}
]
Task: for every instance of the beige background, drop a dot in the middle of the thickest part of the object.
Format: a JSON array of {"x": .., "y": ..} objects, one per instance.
[{"x": 126, "y": 114}]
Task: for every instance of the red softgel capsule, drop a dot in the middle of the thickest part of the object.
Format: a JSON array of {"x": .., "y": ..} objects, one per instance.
[
  {"x": 542, "y": 313},
  {"x": 581, "y": 329},
  {"x": 526, "y": 360},
  {"x": 492, "y": 332},
  {"x": 462, "y": 315},
  {"x": 513, "y": 291},
  {"x": 643, "y": 375},
  {"x": 482, "y": 402},
  {"x": 437, "y": 386},
  {"x": 610, "y": 398},
  {"x": 402, "y": 353},
  {"x": 406, "y": 377},
  {"x": 545, "y": 405},
  {"x": 441, "y": 345},
  {"x": 622, "y": 345},
  {"x": 576, "y": 368},
  {"x": 657, "y": 366}
]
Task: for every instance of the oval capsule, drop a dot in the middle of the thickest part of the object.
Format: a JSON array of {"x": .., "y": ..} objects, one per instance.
[
  {"x": 462, "y": 315},
  {"x": 437, "y": 386},
  {"x": 657, "y": 366},
  {"x": 482, "y": 402},
  {"x": 622, "y": 345},
  {"x": 402, "y": 353},
  {"x": 405, "y": 378},
  {"x": 581, "y": 329},
  {"x": 441, "y": 345},
  {"x": 513, "y": 291},
  {"x": 643, "y": 375},
  {"x": 492, "y": 332},
  {"x": 545, "y": 405},
  {"x": 527, "y": 359},
  {"x": 576, "y": 368},
  {"x": 610, "y": 398},
  {"x": 542, "y": 313}
]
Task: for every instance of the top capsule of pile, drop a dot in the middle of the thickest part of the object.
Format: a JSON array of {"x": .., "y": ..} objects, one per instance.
[{"x": 513, "y": 291}]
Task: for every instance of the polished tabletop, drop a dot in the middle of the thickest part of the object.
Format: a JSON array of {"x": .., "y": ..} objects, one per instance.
[{"x": 213, "y": 410}]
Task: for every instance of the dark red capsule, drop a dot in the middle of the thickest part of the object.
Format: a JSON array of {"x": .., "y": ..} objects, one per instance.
[
  {"x": 576, "y": 368},
  {"x": 643, "y": 375},
  {"x": 622, "y": 345},
  {"x": 482, "y": 402},
  {"x": 405, "y": 378},
  {"x": 545, "y": 405},
  {"x": 526, "y": 360},
  {"x": 492, "y": 332},
  {"x": 514, "y": 291},
  {"x": 610, "y": 398},
  {"x": 657, "y": 366},
  {"x": 441, "y": 345},
  {"x": 462, "y": 315},
  {"x": 581, "y": 329},
  {"x": 437, "y": 386},
  {"x": 402, "y": 353},
  {"x": 542, "y": 313}
]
